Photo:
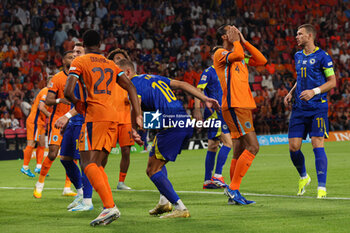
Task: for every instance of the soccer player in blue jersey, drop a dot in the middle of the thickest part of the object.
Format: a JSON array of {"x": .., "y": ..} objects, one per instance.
[
  {"x": 210, "y": 83},
  {"x": 156, "y": 95},
  {"x": 73, "y": 122},
  {"x": 315, "y": 77}
]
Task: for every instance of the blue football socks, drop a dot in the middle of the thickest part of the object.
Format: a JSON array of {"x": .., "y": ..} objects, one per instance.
[
  {"x": 73, "y": 172},
  {"x": 164, "y": 186},
  {"x": 209, "y": 164},
  {"x": 221, "y": 160},
  {"x": 299, "y": 162},
  {"x": 321, "y": 166}
]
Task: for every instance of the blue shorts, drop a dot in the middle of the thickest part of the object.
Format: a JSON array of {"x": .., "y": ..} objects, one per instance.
[
  {"x": 214, "y": 133},
  {"x": 168, "y": 143},
  {"x": 69, "y": 145},
  {"x": 303, "y": 123}
]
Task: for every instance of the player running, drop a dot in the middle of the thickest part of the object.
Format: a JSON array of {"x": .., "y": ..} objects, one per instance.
[
  {"x": 125, "y": 138},
  {"x": 315, "y": 77},
  {"x": 210, "y": 83},
  {"x": 156, "y": 95},
  {"x": 99, "y": 77},
  {"x": 70, "y": 151},
  {"x": 35, "y": 125},
  {"x": 56, "y": 98},
  {"x": 237, "y": 103}
]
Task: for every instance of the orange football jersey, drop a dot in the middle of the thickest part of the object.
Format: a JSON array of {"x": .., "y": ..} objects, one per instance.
[
  {"x": 56, "y": 86},
  {"x": 98, "y": 76},
  {"x": 36, "y": 116},
  {"x": 231, "y": 68}
]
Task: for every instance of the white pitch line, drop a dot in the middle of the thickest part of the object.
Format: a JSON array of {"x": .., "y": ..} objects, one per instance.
[{"x": 198, "y": 192}]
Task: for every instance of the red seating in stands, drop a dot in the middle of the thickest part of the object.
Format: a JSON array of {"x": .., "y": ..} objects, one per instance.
[
  {"x": 21, "y": 133},
  {"x": 10, "y": 134}
]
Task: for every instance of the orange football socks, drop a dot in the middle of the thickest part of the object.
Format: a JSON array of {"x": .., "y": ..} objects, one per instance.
[
  {"x": 45, "y": 169},
  {"x": 27, "y": 155},
  {"x": 105, "y": 178},
  {"x": 242, "y": 166},
  {"x": 39, "y": 154},
  {"x": 97, "y": 180},
  {"x": 67, "y": 183},
  {"x": 122, "y": 176},
  {"x": 232, "y": 168}
]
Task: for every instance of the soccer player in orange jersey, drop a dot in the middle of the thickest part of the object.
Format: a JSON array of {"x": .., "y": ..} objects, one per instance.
[
  {"x": 35, "y": 125},
  {"x": 99, "y": 131},
  {"x": 125, "y": 138},
  {"x": 231, "y": 63},
  {"x": 61, "y": 106}
]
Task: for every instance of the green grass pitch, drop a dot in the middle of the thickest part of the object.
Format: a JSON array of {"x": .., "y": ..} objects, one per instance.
[{"x": 271, "y": 182}]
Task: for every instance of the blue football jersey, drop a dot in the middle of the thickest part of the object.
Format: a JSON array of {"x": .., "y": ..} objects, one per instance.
[
  {"x": 210, "y": 83},
  {"x": 78, "y": 119},
  {"x": 156, "y": 94},
  {"x": 312, "y": 71}
]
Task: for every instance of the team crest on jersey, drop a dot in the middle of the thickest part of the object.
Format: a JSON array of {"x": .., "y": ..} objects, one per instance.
[
  {"x": 248, "y": 125},
  {"x": 224, "y": 126},
  {"x": 55, "y": 138},
  {"x": 312, "y": 61}
]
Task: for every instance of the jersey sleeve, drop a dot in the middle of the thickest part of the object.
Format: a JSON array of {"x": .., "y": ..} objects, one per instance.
[
  {"x": 224, "y": 56},
  {"x": 42, "y": 97},
  {"x": 256, "y": 58},
  {"x": 164, "y": 79},
  {"x": 119, "y": 72},
  {"x": 54, "y": 85},
  {"x": 327, "y": 65},
  {"x": 76, "y": 68},
  {"x": 203, "y": 82}
]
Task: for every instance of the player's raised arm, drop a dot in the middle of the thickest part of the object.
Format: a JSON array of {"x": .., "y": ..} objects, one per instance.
[
  {"x": 209, "y": 102},
  {"x": 256, "y": 58},
  {"x": 228, "y": 37}
]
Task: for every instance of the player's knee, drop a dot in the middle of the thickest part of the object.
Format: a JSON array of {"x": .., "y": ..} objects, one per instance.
[
  {"x": 317, "y": 142},
  {"x": 294, "y": 147},
  {"x": 254, "y": 148},
  {"x": 52, "y": 156}
]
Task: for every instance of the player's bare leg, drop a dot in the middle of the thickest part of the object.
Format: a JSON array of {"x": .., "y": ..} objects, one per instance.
[
  {"x": 321, "y": 165},
  {"x": 298, "y": 160},
  {"x": 124, "y": 166}
]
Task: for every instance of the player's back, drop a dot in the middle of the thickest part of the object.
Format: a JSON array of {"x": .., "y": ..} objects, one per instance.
[
  {"x": 311, "y": 69},
  {"x": 99, "y": 78},
  {"x": 234, "y": 81},
  {"x": 56, "y": 86},
  {"x": 156, "y": 94},
  {"x": 210, "y": 83}
]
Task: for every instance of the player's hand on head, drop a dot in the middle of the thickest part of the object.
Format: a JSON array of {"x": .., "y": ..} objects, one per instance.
[
  {"x": 232, "y": 34},
  {"x": 137, "y": 137},
  {"x": 307, "y": 95}
]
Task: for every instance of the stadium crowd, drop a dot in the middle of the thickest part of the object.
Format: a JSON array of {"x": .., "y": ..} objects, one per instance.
[{"x": 172, "y": 38}]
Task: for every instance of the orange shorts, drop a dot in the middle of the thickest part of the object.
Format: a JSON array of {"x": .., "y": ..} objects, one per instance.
[
  {"x": 34, "y": 131},
  {"x": 55, "y": 137},
  {"x": 98, "y": 135},
  {"x": 125, "y": 135},
  {"x": 239, "y": 121}
]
